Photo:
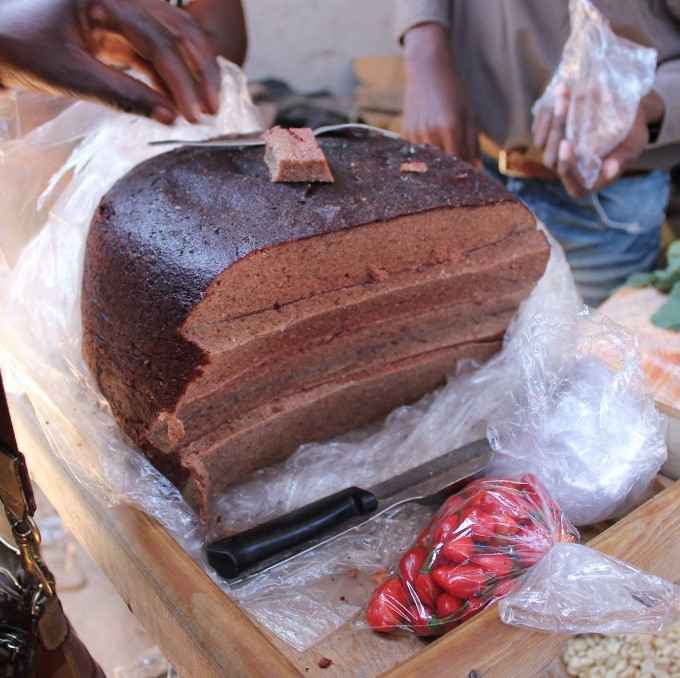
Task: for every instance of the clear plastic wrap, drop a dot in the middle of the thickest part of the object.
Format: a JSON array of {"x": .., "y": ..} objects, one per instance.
[
  {"x": 471, "y": 554},
  {"x": 579, "y": 416},
  {"x": 605, "y": 76},
  {"x": 86, "y": 149},
  {"x": 575, "y": 589}
]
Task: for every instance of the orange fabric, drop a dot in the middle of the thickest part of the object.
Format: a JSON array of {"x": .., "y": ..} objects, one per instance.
[{"x": 633, "y": 308}]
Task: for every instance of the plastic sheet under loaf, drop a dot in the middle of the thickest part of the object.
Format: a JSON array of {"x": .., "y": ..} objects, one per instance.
[{"x": 40, "y": 352}]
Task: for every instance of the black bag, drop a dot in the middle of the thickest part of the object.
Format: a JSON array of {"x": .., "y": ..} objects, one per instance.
[{"x": 36, "y": 639}]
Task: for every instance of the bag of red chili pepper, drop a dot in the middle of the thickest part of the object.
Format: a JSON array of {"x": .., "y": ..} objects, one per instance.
[{"x": 472, "y": 553}]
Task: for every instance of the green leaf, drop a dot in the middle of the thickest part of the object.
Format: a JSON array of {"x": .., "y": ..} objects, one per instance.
[
  {"x": 668, "y": 316},
  {"x": 663, "y": 279},
  {"x": 435, "y": 621},
  {"x": 673, "y": 254},
  {"x": 640, "y": 280},
  {"x": 675, "y": 292}
]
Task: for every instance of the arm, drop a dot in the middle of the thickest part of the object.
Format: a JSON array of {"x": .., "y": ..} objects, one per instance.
[
  {"x": 50, "y": 46},
  {"x": 436, "y": 107},
  {"x": 224, "y": 23}
]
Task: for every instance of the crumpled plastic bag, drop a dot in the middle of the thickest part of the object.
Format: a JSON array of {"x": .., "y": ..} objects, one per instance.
[
  {"x": 575, "y": 589},
  {"x": 606, "y": 76},
  {"x": 580, "y": 417}
]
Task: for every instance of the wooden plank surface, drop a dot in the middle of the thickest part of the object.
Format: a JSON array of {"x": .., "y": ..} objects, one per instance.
[
  {"x": 198, "y": 628},
  {"x": 205, "y": 634},
  {"x": 356, "y": 652},
  {"x": 648, "y": 538}
]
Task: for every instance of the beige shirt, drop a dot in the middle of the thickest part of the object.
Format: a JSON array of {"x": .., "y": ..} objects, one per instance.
[{"x": 507, "y": 50}]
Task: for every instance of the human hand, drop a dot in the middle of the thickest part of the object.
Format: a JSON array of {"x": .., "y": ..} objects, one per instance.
[
  {"x": 436, "y": 106},
  {"x": 224, "y": 24},
  {"x": 54, "y": 46},
  {"x": 549, "y": 134}
]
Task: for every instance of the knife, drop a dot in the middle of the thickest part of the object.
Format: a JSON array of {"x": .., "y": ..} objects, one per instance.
[
  {"x": 250, "y": 140},
  {"x": 242, "y": 556}
]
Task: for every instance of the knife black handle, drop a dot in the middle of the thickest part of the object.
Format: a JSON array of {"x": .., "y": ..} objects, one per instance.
[{"x": 232, "y": 555}]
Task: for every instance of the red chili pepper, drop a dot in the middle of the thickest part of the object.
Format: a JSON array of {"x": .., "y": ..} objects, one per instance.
[
  {"x": 474, "y": 605},
  {"x": 532, "y": 543},
  {"x": 472, "y": 488},
  {"x": 506, "y": 525},
  {"x": 388, "y": 607},
  {"x": 423, "y": 538},
  {"x": 432, "y": 557},
  {"x": 425, "y": 588},
  {"x": 411, "y": 562},
  {"x": 423, "y": 622},
  {"x": 448, "y": 606},
  {"x": 452, "y": 505},
  {"x": 477, "y": 524},
  {"x": 535, "y": 491},
  {"x": 504, "y": 587},
  {"x": 496, "y": 564},
  {"x": 462, "y": 581},
  {"x": 487, "y": 501},
  {"x": 445, "y": 528},
  {"x": 508, "y": 501},
  {"x": 533, "y": 482},
  {"x": 458, "y": 549}
]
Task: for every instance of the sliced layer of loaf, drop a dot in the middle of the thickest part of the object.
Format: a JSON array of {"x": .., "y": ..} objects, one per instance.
[
  {"x": 230, "y": 453},
  {"x": 229, "y": 319}
]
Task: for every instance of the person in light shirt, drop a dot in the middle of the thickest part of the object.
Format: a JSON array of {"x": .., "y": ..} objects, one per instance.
[{"x": 479, "y": 65}]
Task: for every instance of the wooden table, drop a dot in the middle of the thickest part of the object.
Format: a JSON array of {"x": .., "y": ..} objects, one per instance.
[{"x": 205, "y": 634}]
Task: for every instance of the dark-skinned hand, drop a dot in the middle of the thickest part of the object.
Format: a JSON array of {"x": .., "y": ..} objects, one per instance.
[
  {"x": 436, "y": 106},
  {"x": 549, "y": 134},
  {"x": 55, "y": 46}
]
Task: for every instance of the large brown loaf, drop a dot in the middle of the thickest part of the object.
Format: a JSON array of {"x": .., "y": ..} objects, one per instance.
[{"x": 229, "y": 319}]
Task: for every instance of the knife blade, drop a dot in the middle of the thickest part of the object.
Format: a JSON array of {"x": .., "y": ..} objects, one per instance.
[
  {"x": 249, "y": 140},
  {"x": 242, "y": 556}
]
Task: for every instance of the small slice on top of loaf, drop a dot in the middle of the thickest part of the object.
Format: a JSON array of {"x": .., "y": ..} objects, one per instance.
[
  {"x": 294, "y": 155},
  {"x": 229, "y": 319}
]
